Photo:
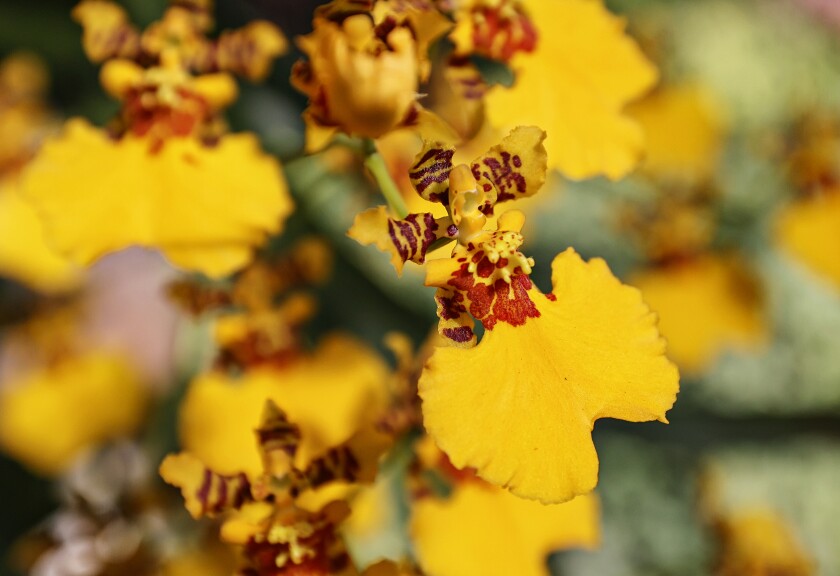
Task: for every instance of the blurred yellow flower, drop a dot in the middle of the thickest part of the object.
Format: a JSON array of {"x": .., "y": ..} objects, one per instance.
[
  {"x": 330, "y": 394},
  {"x": 107, "y": 30},
  {"x": 363, "y": 69},
  {"x": 809, "y": 230},
  {"x": 684, "y": 129},
  {"x": 575, "y": 84},
  {"x": 48, "y": 417},
  {"x": 759, "y": 543},
  {"x": 278, "y": 537},
  {"x": 705, "y": 304},
  {"x": 248, "y": 51},
  {"x": 356, "y": 82},
  {"x": 163, "y": 174},
  {"x": 481, "y": 530}
]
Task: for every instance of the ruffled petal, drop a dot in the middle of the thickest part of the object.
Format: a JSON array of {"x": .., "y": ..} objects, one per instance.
[
  {"x": 24, "y": 254},
  {"x": 575, "y": 85},
  {"x": 591, "y": 351},
  {"x": 96, "y": 196},
  {"x": 484, "y": 531}
]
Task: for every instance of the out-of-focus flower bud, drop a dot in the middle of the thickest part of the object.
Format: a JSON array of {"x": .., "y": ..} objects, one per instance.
[{"x": 359, "y": 78}]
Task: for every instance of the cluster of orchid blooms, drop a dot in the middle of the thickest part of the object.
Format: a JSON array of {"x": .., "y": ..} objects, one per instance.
[{"x": 283, "y": 441}]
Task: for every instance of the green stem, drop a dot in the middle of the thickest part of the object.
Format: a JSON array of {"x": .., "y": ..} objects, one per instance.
[{"x": 376, "y": 165}]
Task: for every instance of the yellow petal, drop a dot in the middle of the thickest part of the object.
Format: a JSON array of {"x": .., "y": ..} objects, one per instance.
[
  {"x": 692, "y": 150},
  {"x": 317, "y": 134},
  {"x": 809, "y": 229},
  {"x": 405, "y": 240},
  {"x": 485, "y": 531},
  {"x": 52, "y": 415},
  {"x": 514, "y": 168},
  {"x": 520, "y": 406},
  {"x": 107, "y": 30},
  {"x": 205, "y": 492},
  {"x": 251, "y": 50},
  {"x": 456, "y": 92},
  {"x": 705, "y": 306},
  {"x": 218, "y": 90},
  {"x": 24, "y": 254},
  {"x": 253, "y": 519},
  {"x": 575, "y": 85},
  {"x": 330, "y": 395},
  {"x": 429, "y": 175},
  {"x": 342, "y": 472},
  {"x": 95, "y": 196},
  {"x": 430, "y": 126},
  {"x": 118, "y": 77}
]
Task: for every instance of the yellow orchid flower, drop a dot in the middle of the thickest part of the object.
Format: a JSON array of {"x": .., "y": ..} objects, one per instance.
[
  {"x": 753, "y": 539},
  {"x": 548, "y": 365},
  {"x": 248, "y": 51},
  {"x": 331, "y": 394},
  {"x": 708, "y": 300},
  {"x": 165, "y": 180},
  {"x": 808, "y": 227},
  {"x": 260, "y": 509}
]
